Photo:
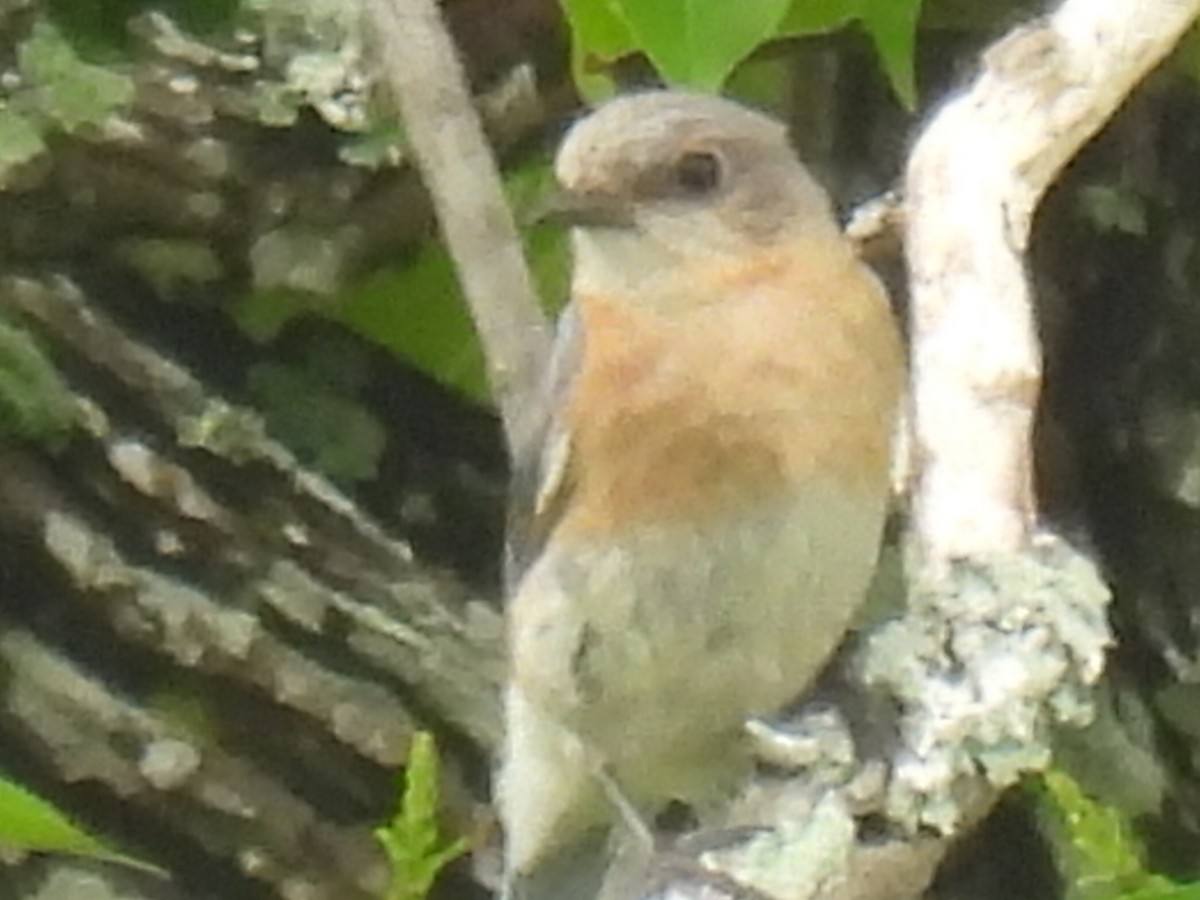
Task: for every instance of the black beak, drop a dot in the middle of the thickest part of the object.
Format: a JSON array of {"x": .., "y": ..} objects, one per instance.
[{"x": 577, "y": 209}]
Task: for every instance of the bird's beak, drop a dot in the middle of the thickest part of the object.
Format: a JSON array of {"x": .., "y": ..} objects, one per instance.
[{"x": 581, "y": 209}]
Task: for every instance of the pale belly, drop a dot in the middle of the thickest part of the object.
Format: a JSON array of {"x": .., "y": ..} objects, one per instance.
[{"x": 653, "y": 653}]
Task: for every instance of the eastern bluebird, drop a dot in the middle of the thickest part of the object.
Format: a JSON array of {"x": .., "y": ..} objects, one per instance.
[{"x": 699, "y": 518}]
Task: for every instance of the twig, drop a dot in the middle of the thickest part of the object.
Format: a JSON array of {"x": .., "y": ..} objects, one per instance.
[
  {"x": 974, "y": 180},
  {"x": 422, "y": 70}
]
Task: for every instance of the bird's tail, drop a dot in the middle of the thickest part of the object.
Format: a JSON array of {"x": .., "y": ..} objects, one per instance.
[{"x": 576, "y": 872}]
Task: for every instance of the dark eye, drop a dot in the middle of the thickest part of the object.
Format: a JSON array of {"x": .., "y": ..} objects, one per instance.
[{"x": 698, "y": 172}]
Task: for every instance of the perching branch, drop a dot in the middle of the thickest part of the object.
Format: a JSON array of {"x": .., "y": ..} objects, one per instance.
[
  {"x": 422, "y": 70},
  {"x": 974, "y": 180}
]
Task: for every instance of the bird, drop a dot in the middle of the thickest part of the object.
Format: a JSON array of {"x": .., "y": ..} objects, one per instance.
[{"x": 696, "y": 518}]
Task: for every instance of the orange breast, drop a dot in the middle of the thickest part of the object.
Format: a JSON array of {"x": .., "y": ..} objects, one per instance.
[{"x": 791, "y": 378}]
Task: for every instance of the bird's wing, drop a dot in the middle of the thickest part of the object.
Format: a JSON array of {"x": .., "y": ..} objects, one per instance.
[{"x": 541, "y": 468}]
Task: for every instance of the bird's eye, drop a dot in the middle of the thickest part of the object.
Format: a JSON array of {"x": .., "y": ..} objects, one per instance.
[{"x": 698, "y": 172}]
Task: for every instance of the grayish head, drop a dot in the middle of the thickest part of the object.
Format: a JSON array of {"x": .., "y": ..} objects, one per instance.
[{"x": 664, "y": 176}]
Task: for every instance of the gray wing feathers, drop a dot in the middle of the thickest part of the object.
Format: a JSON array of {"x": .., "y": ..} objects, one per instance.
[{"x": 539, "y": 469}]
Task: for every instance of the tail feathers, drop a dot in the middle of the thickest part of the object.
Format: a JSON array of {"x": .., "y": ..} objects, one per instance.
[{"x": 576, "y": 872}]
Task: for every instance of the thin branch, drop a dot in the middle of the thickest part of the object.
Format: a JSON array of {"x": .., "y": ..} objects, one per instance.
[
  {"x": 974, "y": 180},
  {"x": 423, "y": 72}
]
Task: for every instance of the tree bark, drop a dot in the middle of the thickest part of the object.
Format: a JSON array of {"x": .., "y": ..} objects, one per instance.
[{"x": 216, "y": 659}]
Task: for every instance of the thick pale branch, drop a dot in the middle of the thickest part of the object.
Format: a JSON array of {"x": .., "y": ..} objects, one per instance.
[{"x": 973, "y": 183}]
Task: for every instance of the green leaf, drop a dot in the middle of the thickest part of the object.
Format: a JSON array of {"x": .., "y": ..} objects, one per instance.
[
  {"x": 696, "y": 43},
  {"x": 319, "y": 418},
  {"x": 545, "y": 245},
  {"x": 379, "y": 146},
  {"x": 416, "y": 309},
  {"x": 550, "y": 262},
  {"x": 1095, "y": 846},
  {"x": 1166, "y": 892},
  {"x": 807, "y": 17},
  {"x": 27, "y": 822},
  {"x": 99, "y": 29},
  {"x": 1114, "y": 209},
  {"x": 412, "y": 840},
  {"x": 172, "y": 266},
  {"x": 262, "y": 315},
  {"x": 599, "y": 37},
  {"x": 20, "y": 139},
  {"x": 66, "y": 89},
  {"x": 764, "y": 82},
  {"x": 417, "y": 312},
  {"x": 34, "y": 401},
  {"x": 892, "y": 25}
]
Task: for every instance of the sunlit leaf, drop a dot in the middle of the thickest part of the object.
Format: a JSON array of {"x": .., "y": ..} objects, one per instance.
[
  {"x": 27, "y": 822},
  {"x": 68, "y": 90},
  {"x": 321, "y": 420},
  {"x": 696, "y": 43},
  {"x": 892, "y": 25},
  {"x": 20, "y": 139},
  {"x": 412, "y": 841},
  {"x": 599, "y": 37},
  {"x": 1096, "y": 848},
  {"x": 806, "y": 17},
  {"x": 415, "y": 308},
  {"x": 34, "y": 400}
]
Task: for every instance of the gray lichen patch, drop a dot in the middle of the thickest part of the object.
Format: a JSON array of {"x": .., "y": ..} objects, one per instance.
[
  {"x": 298, "y": 56},
  {"x": 796, "y": 858},
  {"x": 986, "y": 662}
]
